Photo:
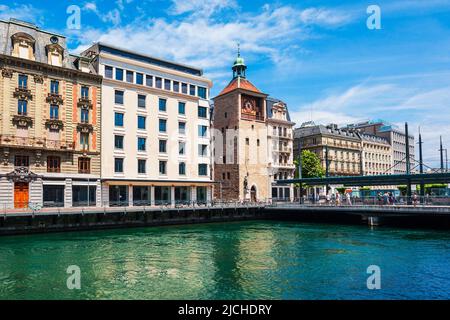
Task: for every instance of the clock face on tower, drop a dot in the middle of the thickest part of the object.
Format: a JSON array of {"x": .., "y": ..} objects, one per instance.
[{"x": 248, "y": 105}]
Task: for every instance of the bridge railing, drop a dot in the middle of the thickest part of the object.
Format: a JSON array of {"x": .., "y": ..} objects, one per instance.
[{"x": 383, "y": 200}]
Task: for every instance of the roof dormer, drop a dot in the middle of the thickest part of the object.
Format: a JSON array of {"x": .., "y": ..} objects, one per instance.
[
  {"x": 23, "y": 46},
  {"x": 55, "y": 54}
]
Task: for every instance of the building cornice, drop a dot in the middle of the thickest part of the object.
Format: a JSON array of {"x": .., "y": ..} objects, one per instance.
[
  {"x": 19, "y": 64},
  {"x": 155, "y": 68}
]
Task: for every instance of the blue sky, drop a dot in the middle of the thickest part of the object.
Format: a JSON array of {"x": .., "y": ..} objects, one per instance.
[{"x": 316, "y": 55}]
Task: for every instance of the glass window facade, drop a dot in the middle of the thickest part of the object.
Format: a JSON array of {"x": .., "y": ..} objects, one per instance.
[
  {"x": 118, "y": 119},
  {"x": 118, "y": 97}
]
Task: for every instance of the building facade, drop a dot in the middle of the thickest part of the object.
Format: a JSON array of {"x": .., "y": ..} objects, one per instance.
[
  {"x": 397, "y": 140},
  {"x": 280, "y": 139},
  {"x": 240, "y": 140},
  {"x": 49, "y": 121},
  {"x": 155, "y": 129},
  {"x": 377, "y": 155},
  {"x": 341, "y": 147}
]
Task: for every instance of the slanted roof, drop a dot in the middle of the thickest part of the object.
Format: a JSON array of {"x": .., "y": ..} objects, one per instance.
[{"x": 239, "y": 83}]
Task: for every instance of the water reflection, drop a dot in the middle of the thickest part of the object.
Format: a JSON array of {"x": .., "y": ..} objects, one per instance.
[{"x": 255, "y": 260}]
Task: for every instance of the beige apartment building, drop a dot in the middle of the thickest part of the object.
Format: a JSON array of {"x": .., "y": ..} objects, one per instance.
[
  {"x": 377, "y": 155},
  {"x": 240, "y": 140},
  {"x": 155, "y": 129},
  {"x": 342, "y": 147},
  {"x": 280, "y": 147},
  {"x": 49, "y": 121}
]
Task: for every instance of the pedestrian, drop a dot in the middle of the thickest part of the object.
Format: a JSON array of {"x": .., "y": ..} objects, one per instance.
[
  {"x": 328, "y": 198},
  {"x": 349, "y": 198},
  {"x": 415, "y": 199},
  {"x": 338, "y": 198}
]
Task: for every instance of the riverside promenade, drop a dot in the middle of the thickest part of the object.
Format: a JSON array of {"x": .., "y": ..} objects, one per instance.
[{"x": 25, "y": 221}]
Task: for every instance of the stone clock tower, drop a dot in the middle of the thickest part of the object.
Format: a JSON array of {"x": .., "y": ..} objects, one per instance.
[{"x": 240, "y": 140}]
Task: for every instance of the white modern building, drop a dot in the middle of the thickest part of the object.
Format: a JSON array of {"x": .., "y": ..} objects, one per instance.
[{"x": 155, "y": 129}]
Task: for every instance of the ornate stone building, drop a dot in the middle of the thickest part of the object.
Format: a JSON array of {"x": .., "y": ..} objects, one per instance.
[
  {"x": 377, "y": 155},
  {"x": 240, "y": 140},
  {"x": 49, "y": 121},
  {"x": 342, "y": 147},
  {"x": 280, "y": 138}
]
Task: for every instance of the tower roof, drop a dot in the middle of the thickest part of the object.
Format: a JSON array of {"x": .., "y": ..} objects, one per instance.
[{"x": 239, "y": 83}]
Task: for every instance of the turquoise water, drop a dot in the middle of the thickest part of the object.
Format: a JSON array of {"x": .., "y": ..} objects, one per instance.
[{"x": 254, "y": 260}]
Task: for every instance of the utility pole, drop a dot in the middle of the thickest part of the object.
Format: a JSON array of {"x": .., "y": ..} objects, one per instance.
[
  {"x": 300, "y": 168},
  {"x": 441, "y": 150},
  {"x": 408, "y": 164},
  {"x": 422, "y": 185}
]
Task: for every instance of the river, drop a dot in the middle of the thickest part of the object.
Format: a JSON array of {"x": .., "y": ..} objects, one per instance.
[{"x": 251, "y": 260}]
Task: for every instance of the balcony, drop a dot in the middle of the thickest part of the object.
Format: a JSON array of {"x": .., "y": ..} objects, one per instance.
[
  {"x": 54, "y": 124},
  {"x": 22, "y": 121},
  {"x": 85, "y": 103},
  {"x": 22, "y": 93},
  {"x": 85, "y": 127},
  {"x": 54, "y": 98},
  {"x": 34, "y": 143},
  {"x": 255, "y": 117}
]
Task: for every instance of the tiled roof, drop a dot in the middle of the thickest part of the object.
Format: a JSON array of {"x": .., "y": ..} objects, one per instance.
[{"x": 239, "y": 83}]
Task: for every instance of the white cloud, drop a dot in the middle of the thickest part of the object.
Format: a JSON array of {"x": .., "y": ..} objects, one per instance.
[
  {"x": 112, "y": 16},
  {"x": 201, "y": 7},
  {"x": 24, "y": 12}
]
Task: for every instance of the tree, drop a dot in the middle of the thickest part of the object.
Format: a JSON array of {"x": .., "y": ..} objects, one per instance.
[{"x": 311, "y": 165}]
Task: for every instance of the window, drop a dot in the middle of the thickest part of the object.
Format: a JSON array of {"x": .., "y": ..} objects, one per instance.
[
  {"x": 53, "y": 164},
  {"x": 184, "y": 87},
  {"x": 141, "y": 144},
  {"x": 141, "y": 122},
  {"x": 162, "y": 146},
  {"x": 83, "y": 196},
  {"x": 85, "y": 92},
  {"x": 163, "y": 167},
  {"x": 22, "y": 107},
  {"x": 182, "y": 169},
  {"x": 142, "y": 166},
  {"x": 118, "y": 97},
  {"x": 203, "y": 150},
  {"x": 84, "y": 141},
  {"x": 130, "y": 76},
  {"x": 149, "y": 81},
  {"x": 162, "y": 125},
  {"x": 84, "y": 116},
  {"x": 247, "y": 141},
  {"x": 108, "y": 72},
  {"x": 201, "y": 92},
  {"x": 181, "y": 148},
  {"x": 167, "y": 84},
  {"x": 118, "y": 142},
  {"x": 202, "y": 169},
  {"x": 118, "y": 119},
  {"x": 181, "y": 108},
  {"x": 118, "y": 165},
  {"x": 257, "y": 143},
  {"x": 163, "y": 105},
  {"x": 202, "y": 112},
  {"x": 23, "y": 81},
  {"x": 139, "y": 78},
  {"x": 176, "y": 86},
  {"x": 158, "y": 83},
  {"x": 119, "y": 74},
  {"x": 203, "y": 131},
  {"x": 192, "y": 90},
  {"x": 54, "y": 111},
  {"x": 54, "y": 87},
  {"x": 182, "y": 128},
  {"x": 53, "y": 196},
  {"x": 21, "y": 161},
  {"x": 84, "y": 165},
  {"x": 141, "y": 101}
]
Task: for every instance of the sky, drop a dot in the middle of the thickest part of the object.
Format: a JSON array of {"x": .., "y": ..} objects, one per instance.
[{"x": 318, "y": 56}]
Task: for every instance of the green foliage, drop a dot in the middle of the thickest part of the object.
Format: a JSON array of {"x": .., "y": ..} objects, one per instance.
[{"x": 311, "y": 165}]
